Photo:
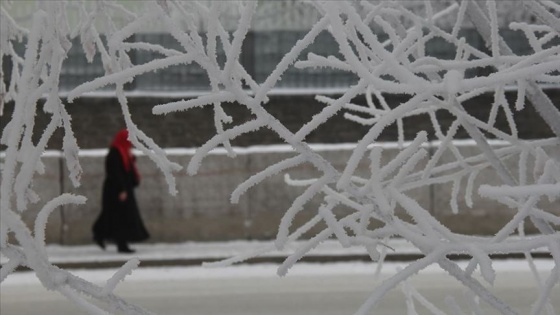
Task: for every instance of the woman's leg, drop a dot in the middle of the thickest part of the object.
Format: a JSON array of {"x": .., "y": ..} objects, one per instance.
[{"x": 122, "y": 247}]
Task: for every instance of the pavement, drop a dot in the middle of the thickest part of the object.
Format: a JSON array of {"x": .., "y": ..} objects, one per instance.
[
  {"x": 308, "y": 289},
  {"x": 196, "y": 253}
]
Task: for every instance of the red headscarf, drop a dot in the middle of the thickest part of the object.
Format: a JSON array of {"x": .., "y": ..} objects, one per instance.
[{"x": 124, "y": 146}]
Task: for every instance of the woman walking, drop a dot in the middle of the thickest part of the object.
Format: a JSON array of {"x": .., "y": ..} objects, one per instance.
[{"x": 120, "y": 219}]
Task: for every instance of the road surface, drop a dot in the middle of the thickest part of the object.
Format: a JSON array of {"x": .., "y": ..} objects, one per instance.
[{"x": 309, "y": 289}]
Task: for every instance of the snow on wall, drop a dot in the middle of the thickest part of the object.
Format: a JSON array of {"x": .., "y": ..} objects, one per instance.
[{"x": 398, "y": 66}]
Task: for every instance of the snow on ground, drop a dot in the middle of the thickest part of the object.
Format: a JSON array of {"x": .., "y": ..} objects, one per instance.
[
  {"x": 59, "y": 254},
  {"x": 268, "y": 270},
  {"x": 201, "y": 250}
]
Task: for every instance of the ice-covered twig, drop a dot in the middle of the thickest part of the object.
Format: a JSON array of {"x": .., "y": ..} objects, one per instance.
[
  {"x": 551, "y": 190},
  {"x": 372, "y": 201},
  {"x": 42, "y": 217},
  {"x": 269, "y": 171},
  {"x": 71, "y": 295},
  {"x": 412, "y": 293},
  {"x": 392, "y": 282},
  {"x": 119, "y": 276}
]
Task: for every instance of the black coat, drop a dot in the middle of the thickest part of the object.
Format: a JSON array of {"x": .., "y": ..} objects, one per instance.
[{"x": 119, "y": 221}]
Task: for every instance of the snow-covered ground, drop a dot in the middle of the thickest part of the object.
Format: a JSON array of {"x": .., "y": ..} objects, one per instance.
[
  {"x": 201, "y": 251},
  {"x": 269, "y": 270},
  {"x": 332, "y": 288}
]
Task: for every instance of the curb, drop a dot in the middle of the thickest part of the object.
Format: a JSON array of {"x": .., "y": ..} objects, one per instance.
[{"x": 185, "y": 262}]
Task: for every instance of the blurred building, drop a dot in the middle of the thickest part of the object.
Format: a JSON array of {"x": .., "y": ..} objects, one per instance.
[{"x": 276, "y": 27}]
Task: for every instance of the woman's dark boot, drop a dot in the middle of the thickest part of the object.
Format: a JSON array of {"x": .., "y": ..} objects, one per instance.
[
  {"x": 123, "y": 248},
  {"x": 99, "y": 242}
]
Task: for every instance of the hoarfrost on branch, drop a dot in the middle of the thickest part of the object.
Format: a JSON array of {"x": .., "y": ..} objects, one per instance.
[{"x": 398, "y": 66}]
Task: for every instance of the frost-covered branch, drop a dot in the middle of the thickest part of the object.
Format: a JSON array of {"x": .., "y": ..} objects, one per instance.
[{"x": 351, "y": 200}]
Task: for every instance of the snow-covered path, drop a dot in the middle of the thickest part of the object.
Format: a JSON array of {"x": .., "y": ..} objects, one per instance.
[
  {"x": 91, "y": 255},
  {"x": 194, "y": 253},
  {"x": 255, "y": 289}
]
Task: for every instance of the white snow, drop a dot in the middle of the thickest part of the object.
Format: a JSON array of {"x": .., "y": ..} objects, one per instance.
[
  {"x": 147, "y": 274},
  {"x": 380, "y": 69},
  {"x": 198, "y": 250}
]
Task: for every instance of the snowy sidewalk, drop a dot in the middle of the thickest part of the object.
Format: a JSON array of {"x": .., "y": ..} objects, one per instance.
[{"x": 195, "y": 253}]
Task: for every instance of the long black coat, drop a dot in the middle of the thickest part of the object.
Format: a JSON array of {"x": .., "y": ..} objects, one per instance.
[{"x": 119, "y": 221}]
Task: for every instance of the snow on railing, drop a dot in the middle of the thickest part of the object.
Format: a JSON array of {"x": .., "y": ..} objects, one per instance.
[{"x": 398, "y": 66}]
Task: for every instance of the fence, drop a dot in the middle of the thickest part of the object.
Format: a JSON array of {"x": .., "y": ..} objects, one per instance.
[{"x": 262, "y": 51}]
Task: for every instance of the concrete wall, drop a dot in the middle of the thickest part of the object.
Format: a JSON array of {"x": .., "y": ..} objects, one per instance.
[
  {"x": 486, "y": 216},
  {"x": 202, "y": 211},
  {"x": 47, "y": 186},
  {"x": 96, "y": 119}
]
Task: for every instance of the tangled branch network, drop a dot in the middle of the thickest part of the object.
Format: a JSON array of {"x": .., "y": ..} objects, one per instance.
[{"x": 398, "y": 66}]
